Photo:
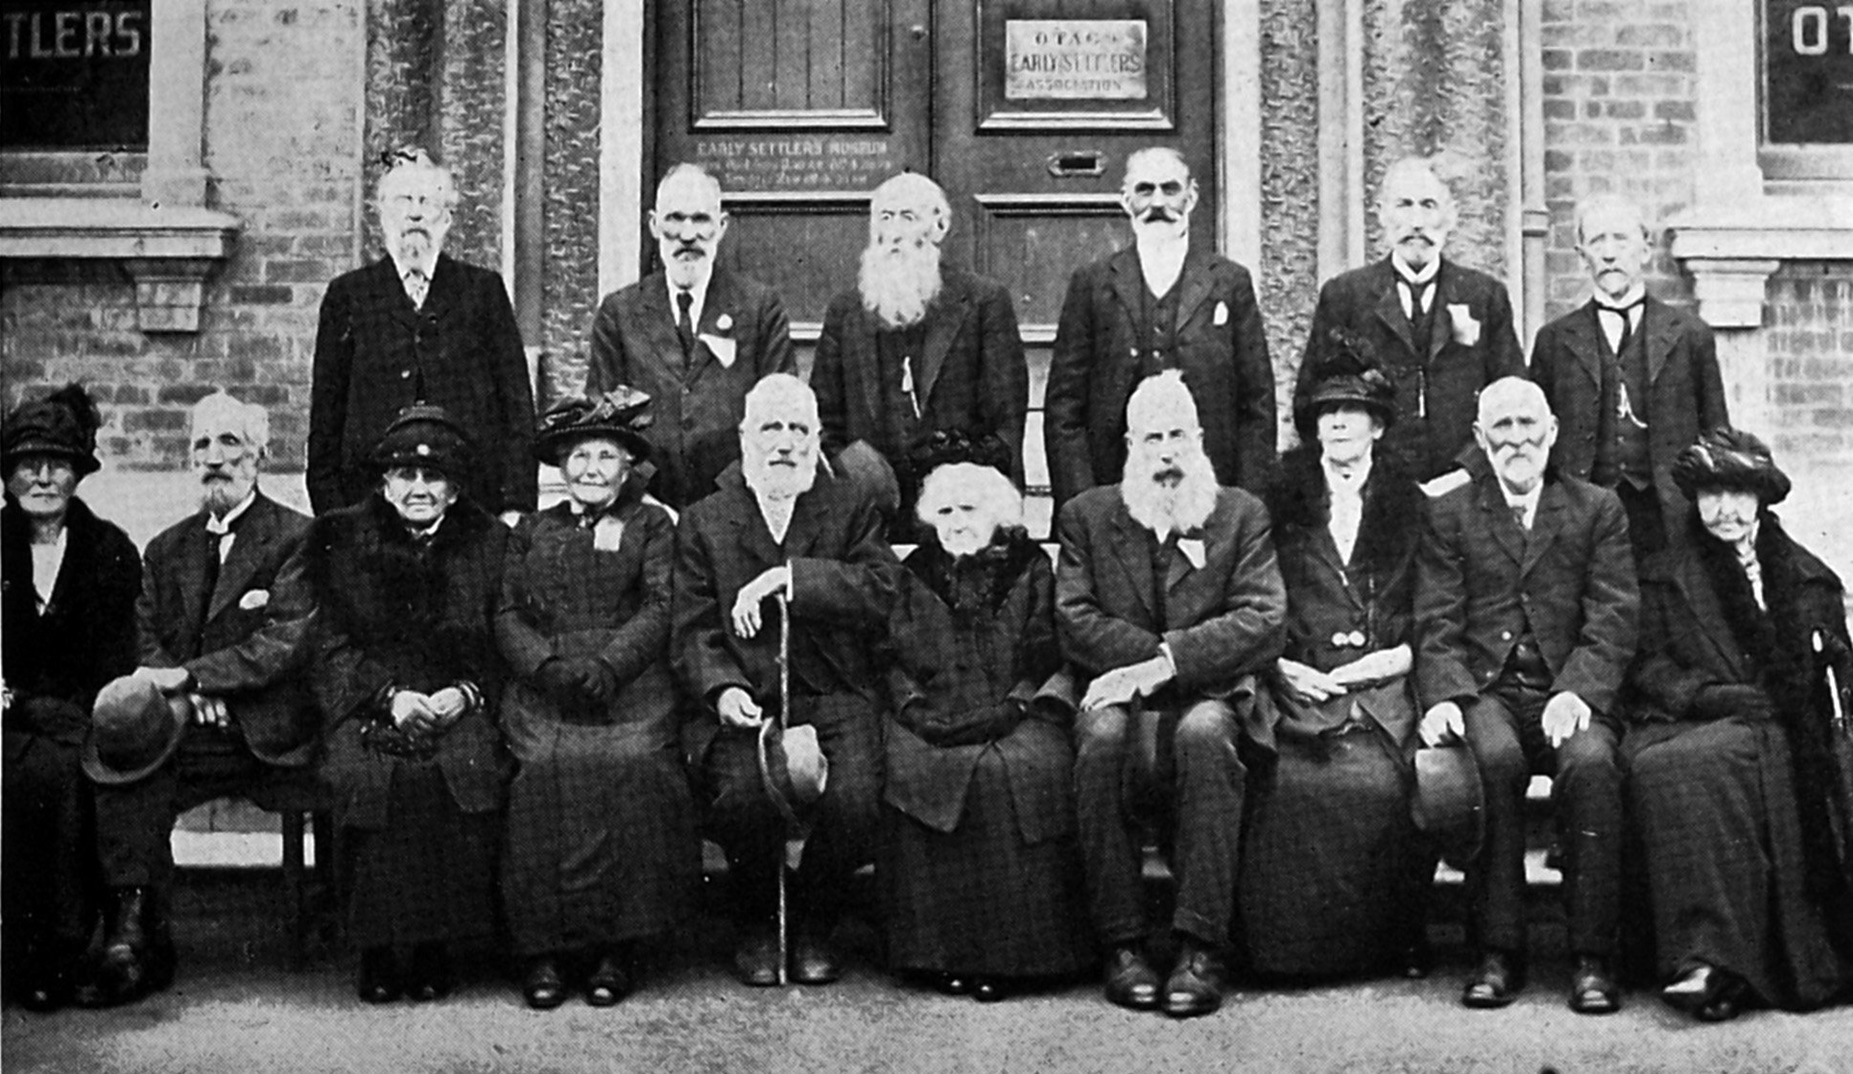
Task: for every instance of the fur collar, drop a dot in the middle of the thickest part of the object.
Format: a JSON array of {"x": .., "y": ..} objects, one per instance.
[
  {"x": 1300, "y": 505},
  {"x": 978, "y": 582}
]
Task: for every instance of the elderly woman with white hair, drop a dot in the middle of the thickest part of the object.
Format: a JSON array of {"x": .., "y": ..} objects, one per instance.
[
  {"x": 1730, "y": 750},
  {"x": 980, "y": 872}
]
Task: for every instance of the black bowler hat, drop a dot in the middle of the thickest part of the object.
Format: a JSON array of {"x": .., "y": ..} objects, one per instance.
[
  {"x": 621, "y": 415},
  {"x": 1449, "y": 803},
  {"x": 134, "y": 729},
  {"x": 424, "y": 435},
  {"x": 64, "y": 424}
]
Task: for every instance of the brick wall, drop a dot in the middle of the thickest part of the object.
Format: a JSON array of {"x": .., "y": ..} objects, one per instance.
[
  {"x": 1619, "y": 103},
  {"x": 1809, "y": 341},
  {"x": 282, "y": 97}
]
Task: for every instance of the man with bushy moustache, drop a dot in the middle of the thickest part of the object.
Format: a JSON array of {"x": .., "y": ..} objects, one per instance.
[
  {"x": 223, "y": 614},
  {"x": 1161, "y": 303},
  {"x": 419, "y": 326},
  {"x": 1168, "y": 600},
  {"x": 916, "y": 347},
  {"x": 781, "y": 526},
  {"x": 695, "y": 336}
]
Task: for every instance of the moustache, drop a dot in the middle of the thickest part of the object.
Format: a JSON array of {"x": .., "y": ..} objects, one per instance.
[{"x": 1158, "y": 214}]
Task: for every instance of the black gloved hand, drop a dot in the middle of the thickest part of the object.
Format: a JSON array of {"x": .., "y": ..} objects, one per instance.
[
  {"x": 559, "y": 680},
  {"x": 597, "y": 685}
]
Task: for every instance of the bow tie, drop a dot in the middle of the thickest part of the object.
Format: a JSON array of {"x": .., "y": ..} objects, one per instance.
[{"x": 1607, "y": 306}]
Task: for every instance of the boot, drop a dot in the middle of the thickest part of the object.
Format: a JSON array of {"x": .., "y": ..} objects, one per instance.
[{"x": 138, "y": 952}]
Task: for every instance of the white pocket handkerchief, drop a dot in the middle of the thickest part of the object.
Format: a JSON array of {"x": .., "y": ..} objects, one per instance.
[
  {"x": 1193, "y": 551},
  {"x": 254, "y": 599},
  {"x": 1466, "y": 329},
  {"x": 1221, "y": 316},
  {"x": 723, "y": 348}
]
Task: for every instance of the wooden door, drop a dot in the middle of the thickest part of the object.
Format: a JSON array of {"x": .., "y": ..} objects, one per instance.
[{"x": 1023, "y": 110}]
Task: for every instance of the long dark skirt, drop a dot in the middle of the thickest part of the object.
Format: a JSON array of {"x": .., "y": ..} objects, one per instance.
[
  {"x": 601, "y": 839},
  {"x": 1715, "y": 810},
  {"x": 429, "y": 875},
  {"x": 51, "y": 882},
  {"x": 1328, "y": 881},
  {"x": 980, "y": 900}
]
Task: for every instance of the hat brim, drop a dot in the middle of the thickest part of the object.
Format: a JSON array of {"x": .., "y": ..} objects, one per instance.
[
  {"x": 552, "y": 446},
  {"x": 1320, "y": 402},
  {"x": 179, "y": 711},
  {"x": 1449, "y": 804},
  {"x": 82, "y": 462}
]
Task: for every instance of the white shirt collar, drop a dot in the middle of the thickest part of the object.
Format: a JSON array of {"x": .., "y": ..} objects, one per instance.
[
  {"x": 429, "y": 266},
  {"x": 1634, "y": 296},
  {"x": 1527, "y": 502},
  {"x": 1352, "y": 483},
  {"x": 699, "y": 291},
  {"x": 214, "y": 524},
  {"x": 1404, "y": 272}
]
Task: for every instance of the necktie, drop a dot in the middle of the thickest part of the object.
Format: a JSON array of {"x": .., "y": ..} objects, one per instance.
[
  {"x": 1624, "y": 315},
  {"x": 416, "y": 286},
  {"x": 1518, "y": 516},
  {"x": 1416, "y": 296},
  {"x": 685, "y": 331},
  {"x": 215, "y": 544}
]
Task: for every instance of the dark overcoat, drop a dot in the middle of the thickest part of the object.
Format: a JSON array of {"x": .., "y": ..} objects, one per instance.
[
  {"x": 1222, "y": 620},
  {"x": 1687, "y": 396},
  {"x": 843, "y": 577},
  {"x": 1471, "y": 344},
  {"x": 971, "y": 375},
  {"x": 697, "y": 404},
  {"x": 396, "y": 614},
  {"x": 1480, "y": 579},
  {"x": 376, "y": 353},
  {"x": 247, "y": 641},
  {"x": 1221, "y": 348}
]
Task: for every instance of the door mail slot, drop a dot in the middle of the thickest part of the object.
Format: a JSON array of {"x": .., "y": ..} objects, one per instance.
[{"x": 1087, "y": 163}]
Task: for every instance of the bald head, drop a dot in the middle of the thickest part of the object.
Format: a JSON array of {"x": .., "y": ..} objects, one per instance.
[{"x": 1161, "y": 400}]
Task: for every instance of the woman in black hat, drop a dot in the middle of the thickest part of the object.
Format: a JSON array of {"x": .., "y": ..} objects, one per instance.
[
  {"x": 602, "y": 851},
  {"x": 1331, "y": 872},
  {"x": 979, "y": 867},
  {"x": 67, "y": 623},
  {"x": 409, "y": 679},
  {"x": 1731, "y": 772}
]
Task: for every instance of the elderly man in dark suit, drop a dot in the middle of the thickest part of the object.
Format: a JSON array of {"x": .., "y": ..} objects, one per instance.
[
  {"x": 1442, "y": 331},
  {"x": 1633, "y": 379},
  {"x": 917, "y": 348},
  {"x": 1526, "y": 604},
  {"x": 419, "y": 326},
  {"x": 781, "y": 527},
  {"x": 695, "y": 336},
  {"x": 1159, "y": 304},
  {"x": 1168, "y": 600},
  {"x": 223, "y": 615}
]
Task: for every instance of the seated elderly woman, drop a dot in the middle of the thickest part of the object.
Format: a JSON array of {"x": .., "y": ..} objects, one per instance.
[
  {"x": 1331, "y": 877},
  {"x": 1731, "y": 777},
  {"x": 67, "y": 623},
  {"x": 979, "y": 870},
  {"x": 601, "y": 848},
  {"x": 408, "y": 680}
]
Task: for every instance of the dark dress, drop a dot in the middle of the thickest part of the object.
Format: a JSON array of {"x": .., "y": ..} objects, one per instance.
[
  {"x": 601, "y": 833},
  {"x": 1331, "y": 874},
  {"x": 420, "y": 827},
  {"x": 1732, "y": 804},
  {"x": 979, "y": 869},
  {"x": 55, "y": 660}
]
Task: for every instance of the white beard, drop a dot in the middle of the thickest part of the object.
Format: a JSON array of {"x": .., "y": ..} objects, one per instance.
[
  {"x": 1166, "y": 510},
  {"x": 778, "y": 482},
  {"x": 898, "y": 288}
]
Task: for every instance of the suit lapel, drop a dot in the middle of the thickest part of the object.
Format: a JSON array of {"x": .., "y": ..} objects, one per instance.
[
  {"x": 722, "y": 300},
  {"x": 659, "y": 323},
  {"x": 1497, "y": 518},
  {"x": 1194, "y": 285},
  {"x": 1390, "y": 307},
  {"x": 943, "y": 321},
  {"x": 1441, "y": 327},
  {"x": 1545, "y": 526},
  {"x": 248, "y": 550},
  {"x": 1583, "y": 335},
  {"x": 1132, "y": 556},
  {"x": 807, "y": 520},
  {"x": 386, "y": 281},
  {"x": 1658, "y": 335},
  {"x": 1325, "y": 552},
  {"x": 751, "y": 535},
  {"x": 192, "y": 568},
  {"x": 1128, "y": 282}
]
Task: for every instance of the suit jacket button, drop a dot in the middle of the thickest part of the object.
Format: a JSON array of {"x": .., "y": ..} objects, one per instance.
[
  {"x": 1505, "y": 635},
  {"x": 405, "y": 374}
]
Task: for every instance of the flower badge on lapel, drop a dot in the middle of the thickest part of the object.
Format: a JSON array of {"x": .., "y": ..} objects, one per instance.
[
  {"x": 1466, "y": 329},
  {"x": 724, "y": 323},
  {"x": 254, "y": 599},
  {"x": 1193, "y": 550}
]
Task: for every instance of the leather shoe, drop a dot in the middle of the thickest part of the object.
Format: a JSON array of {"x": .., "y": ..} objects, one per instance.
[
  {"x": 1725, "y": 1000},
  {"x": 608, "y": 983},
  {"x": 543, "y": 987},
  {"x": 1692, "y": 988},
  {"x": 1195, "y": 986},
  {"x": 1592, "y": 987},
  {"x": 952, "y": 984},
  {"x": 1495, "y": 983},
  {"x": 378, "y": 981},
  {"x": 756, "y": 959},
  {"x": 1416, "y": 961},
  {"x": 138, "y": 952},
  {"x": 430, "y": 977},
  {"x": 812, "y": 961},
  {"x": 1131, "y": 980},
  {"x": 988, "y": 990}
]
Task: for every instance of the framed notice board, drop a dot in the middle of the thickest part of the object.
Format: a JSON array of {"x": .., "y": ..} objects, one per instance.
[{"x": 74, "y": 74}]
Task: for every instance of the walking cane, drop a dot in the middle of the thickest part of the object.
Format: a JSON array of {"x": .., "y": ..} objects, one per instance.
[
  {"x": 1833, "y": 683},
  {"x": 783, "y": 713}
]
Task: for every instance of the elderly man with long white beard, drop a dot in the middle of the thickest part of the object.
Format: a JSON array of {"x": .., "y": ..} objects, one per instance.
[
  {"x": 1168, "y": 600},
  {"x": 781, "y": 527},
  {"x": 916, "y": 348}
]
